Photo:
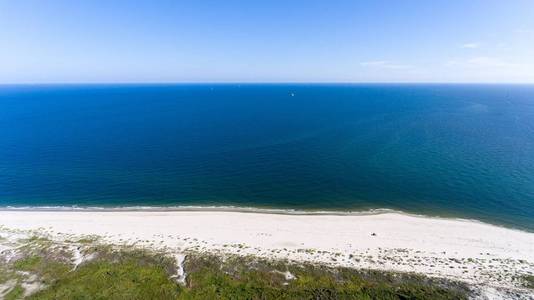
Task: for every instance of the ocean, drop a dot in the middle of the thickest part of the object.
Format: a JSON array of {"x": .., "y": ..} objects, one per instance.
[{"x": 463, "y": 151}]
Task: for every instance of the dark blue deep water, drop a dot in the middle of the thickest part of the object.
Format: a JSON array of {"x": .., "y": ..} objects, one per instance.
[{"x": 448, "y": 150}]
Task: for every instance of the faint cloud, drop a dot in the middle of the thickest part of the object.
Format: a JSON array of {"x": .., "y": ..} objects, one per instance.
[
  {"x": 384, "y": 65},
  {"x": 470, "y": 45},
  {"x": 483, "y": 61}
]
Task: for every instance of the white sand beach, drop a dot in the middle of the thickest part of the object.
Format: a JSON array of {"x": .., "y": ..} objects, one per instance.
[{"x": 464, "y": 250}]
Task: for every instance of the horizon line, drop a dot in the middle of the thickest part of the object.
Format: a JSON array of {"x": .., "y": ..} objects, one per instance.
[{"x": 266, "y": 82}]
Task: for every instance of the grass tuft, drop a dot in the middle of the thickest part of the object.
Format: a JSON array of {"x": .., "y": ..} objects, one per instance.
[
  {"x": 529, "y": 281},
  {"x": 15, "y": 293}
]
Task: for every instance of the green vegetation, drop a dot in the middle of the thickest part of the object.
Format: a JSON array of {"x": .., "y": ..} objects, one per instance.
[
  {"x": 529, "y": 281},
  {"x": 141, "y": 275},
  {"x": 47, "y": 269},
  {"x": 87, "y": 240},
  {"x": 136, "y": 274},
  {"x": 238, "y": 278},
  {"x": 27, "y": 263},
  {"x": 4, "y": 274},
  {"x": 36, "y": 238},
  {"x": 107, "y": 280},
  {"x": 15, "y": 293}
]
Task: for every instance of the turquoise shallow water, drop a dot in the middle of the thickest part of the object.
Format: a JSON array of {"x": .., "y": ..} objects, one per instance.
[{"x": 448, "y": 150}]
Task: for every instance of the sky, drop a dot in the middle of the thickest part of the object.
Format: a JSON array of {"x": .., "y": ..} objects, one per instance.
[{"x": 116, "y": 41}]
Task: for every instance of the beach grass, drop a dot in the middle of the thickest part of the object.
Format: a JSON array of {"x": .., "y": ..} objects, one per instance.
[
  {"x": 130, "y": 273},
  {"x": 128, "y": 279},
  {"x": 239, "y": 278},
  {"x": 529, "y": 281},
  {"x": 16, "y": 293}
]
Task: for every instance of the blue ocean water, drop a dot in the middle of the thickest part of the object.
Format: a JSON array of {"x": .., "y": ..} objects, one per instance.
[{"x": 448, "y": 150}]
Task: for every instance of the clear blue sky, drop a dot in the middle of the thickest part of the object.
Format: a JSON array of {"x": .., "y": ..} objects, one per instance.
[{"x": 267, "y": 41}]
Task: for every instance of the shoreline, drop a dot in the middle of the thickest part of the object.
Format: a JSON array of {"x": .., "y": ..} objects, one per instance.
[
  {"x": 258, "y": 210},
  {"x": 465, "y": 250}
]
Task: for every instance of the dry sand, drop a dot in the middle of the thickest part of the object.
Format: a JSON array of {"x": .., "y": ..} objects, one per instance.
[{"x": 464, "y": 250}]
